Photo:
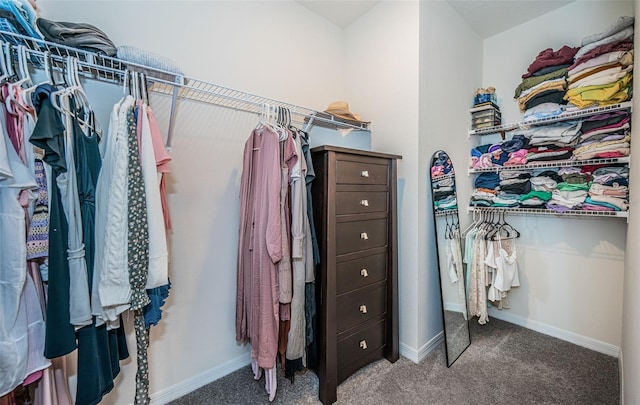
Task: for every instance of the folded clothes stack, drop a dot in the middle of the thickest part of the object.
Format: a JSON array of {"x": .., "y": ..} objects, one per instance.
[
  {"x": 602, "y": 73},
  {"x": 542, "y": 90},
  {"x": 444, "y": 189},
  {"x": 442, "y": 165},
  {"x": 602, "y": 188},
  {"x": 609, "y": 190},
  {"x": 605, "y": 135}
]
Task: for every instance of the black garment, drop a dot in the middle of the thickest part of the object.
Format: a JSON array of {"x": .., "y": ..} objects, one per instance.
[
  {"x": 441, "y": 195},
  {"x": 48, "y": 134},
  {"x": 98, "y": 349},
  {"x": 517, "y": 188},
  {"x": 553, "y": 175},
  {"x": 310, "y": 287},
  {"x": 549, "y": 69},
  {"x": 76, "y": 35},
  {"x": 549, "y": 96},
  {"x": 607, "y": 119}
]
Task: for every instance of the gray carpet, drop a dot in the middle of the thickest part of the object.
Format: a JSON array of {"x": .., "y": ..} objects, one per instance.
[{"x": 505, "y": 364}]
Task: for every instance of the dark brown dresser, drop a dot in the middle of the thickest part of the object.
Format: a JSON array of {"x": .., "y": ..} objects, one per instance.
[{"x": 354, "y": 200}]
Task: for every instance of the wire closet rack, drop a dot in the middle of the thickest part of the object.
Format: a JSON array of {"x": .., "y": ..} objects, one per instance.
[
  {"x": 177, "y": 86},
  {"x": 565, "y": 116},
  {"x": 541, "y": 211}
]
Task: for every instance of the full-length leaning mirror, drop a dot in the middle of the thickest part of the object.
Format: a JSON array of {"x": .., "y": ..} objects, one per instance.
[{"x": 450, "y": 260}]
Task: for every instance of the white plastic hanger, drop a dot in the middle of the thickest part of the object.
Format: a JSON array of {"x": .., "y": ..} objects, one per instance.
[{"x": 26, "y": 94}]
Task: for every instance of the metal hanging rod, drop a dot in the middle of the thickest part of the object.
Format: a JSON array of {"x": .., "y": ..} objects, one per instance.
[
  {"x": 179, "y": 87},
  {"x": 541, "y": 211},
  {"x": 442, "y": 213}
]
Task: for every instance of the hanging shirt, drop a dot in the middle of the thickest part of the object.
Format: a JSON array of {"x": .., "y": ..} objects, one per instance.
[
  {"x": 49, "y": 135},
  {"x": 113, "y": 285},
  {"x": 259, "y": 247},
  {"x": 302, "y": 256},
  {"x": 13, "y": 273},
  {"x": 158, "y": 255},
  {"x": 80, "y": 302}
]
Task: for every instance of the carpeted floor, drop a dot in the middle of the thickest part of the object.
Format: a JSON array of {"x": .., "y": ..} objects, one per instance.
[{"x": 505, "y": 364}]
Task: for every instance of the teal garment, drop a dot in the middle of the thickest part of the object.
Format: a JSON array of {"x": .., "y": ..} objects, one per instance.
[
  {"x": 98, "y": 351},
  {"x": 508, "y": 205},
  {"x": 542, "y": 195},
  {"x": 601, "y": 203},
  {"x": 48, "y": 134},
  {"x": 574, "y": 186}
]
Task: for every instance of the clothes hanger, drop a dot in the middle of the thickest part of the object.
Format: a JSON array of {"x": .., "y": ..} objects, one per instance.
[
  {"x": 8, "y": 56},
  {"x": 472, "y": 225},
  {"x": 27, "y": 93},
  {"x": 3, "y": 63},
  {"x": 144, "y": 89},
  {"x": 511, "y": 232}
]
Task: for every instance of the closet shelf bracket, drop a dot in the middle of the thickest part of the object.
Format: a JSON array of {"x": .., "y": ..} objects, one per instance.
[{"x": 174, "y": 111}]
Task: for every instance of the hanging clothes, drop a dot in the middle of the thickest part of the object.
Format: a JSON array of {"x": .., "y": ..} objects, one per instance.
[
  {"x": 14, "y": 325},
  {"x": 260, "y": 249},
  {"x": 48, "y": 135},
  {"x": 302, "y": 258},
  {"x": 98, "y": 355},
  {"x": 112, "y": 272}
]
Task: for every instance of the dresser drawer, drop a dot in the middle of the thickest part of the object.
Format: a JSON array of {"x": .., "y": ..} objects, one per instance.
[
  {"x": 360, "y": 344},
  {"x": 348, "y": 172},
  {"x": 360, "y": 235},
  {"x": 361, "y": 202},
  {"x": 359, "y": 273},
  {"x": 360, "y": 306}
]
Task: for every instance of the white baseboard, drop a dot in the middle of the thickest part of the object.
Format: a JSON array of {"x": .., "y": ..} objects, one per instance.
[
  {"x": 417, "y": 356},
  {"x": 621, "y": 377},
  {"x": 176, "y": 391},
  {"x": 556, "y": 332}
]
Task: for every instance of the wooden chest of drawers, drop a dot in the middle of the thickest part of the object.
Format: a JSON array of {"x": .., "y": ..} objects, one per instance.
[{"x": 354, "y": 200}]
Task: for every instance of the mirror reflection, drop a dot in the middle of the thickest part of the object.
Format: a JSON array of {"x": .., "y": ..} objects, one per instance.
[{"x": 450, "y": 263}]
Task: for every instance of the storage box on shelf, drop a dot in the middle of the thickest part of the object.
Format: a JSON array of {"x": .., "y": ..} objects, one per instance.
[
  {"x": 569, "y": 115},
  {"x": 485, "y": 115}
]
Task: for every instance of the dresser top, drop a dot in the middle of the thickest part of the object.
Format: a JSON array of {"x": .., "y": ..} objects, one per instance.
[{"x": 331, "y": 148}]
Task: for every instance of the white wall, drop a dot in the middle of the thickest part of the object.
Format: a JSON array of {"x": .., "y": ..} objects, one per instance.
[
  {"x": 381, "y": 83},
  {"x": 630, "y": 351},
  {"x": 276, "y": 49},
  {"x": 450, "y": 70},
  {"x": 571, "y": 270}
]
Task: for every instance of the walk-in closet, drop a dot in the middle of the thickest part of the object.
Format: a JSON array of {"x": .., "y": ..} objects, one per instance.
[{"x": 221, "y": 76}]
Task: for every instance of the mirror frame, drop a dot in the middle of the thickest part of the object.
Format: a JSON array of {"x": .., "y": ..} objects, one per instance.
[{"x": 449, "y": 361}]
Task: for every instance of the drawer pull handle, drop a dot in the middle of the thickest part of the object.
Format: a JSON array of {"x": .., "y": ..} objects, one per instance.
[
  {"x": 363, "y": 344},
  {"x": 363, "y": 309},
  {"x": 364, "y": 273},
  {"x": 364, "y": 236},
  {"x": 364, "y": 173},
  {"x": 364, "y": 203}
]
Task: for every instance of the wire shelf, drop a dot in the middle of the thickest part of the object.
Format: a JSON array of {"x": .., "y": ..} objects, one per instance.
[
  {"x": 540, "y": 211},
  {"x": 178, "y": 86},
  {"x": 552, "y": 164},
  {"x": 450, "y": 175},
  {"x": 567, "y": 115},
  {"x": 442, "y": 213}
]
